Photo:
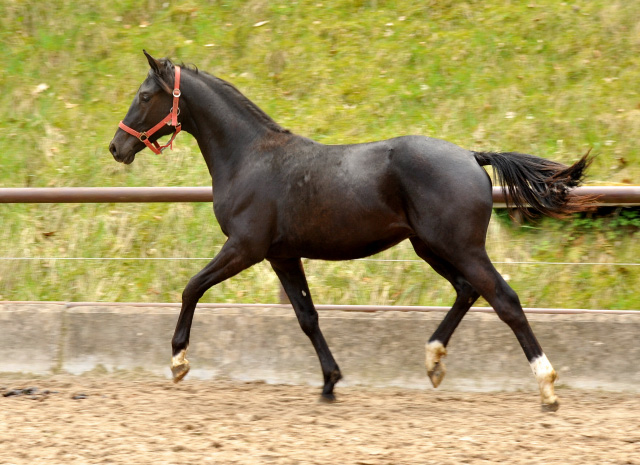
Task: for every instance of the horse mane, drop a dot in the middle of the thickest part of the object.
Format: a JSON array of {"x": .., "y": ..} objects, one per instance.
[{"x": 217, "y": 82}]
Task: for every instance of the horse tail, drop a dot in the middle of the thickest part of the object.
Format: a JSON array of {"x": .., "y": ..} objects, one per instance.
[{"x": 536, "y": 183}]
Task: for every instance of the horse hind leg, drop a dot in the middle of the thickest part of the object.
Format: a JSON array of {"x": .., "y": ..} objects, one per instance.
[
  {"x": 466, "y": 295},
  {"x": 485, "y": 278}
]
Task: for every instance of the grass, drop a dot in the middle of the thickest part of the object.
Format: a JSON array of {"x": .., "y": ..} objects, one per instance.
[{"x": 548, "y": 78}]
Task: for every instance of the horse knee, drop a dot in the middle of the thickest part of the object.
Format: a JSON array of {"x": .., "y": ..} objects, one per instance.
[{"x": 192, "y": 290}]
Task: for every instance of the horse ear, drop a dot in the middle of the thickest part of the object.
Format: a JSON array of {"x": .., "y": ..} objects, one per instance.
[
  {"x": 155, "y": 64},
  {"x": 160, "y": 70}
]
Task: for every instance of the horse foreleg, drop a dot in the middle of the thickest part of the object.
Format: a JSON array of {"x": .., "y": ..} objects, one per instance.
[
  {"x": 231, "y": 260},
  {"x": 291, "y": 275},
  {"x": 436, "y": 347}
]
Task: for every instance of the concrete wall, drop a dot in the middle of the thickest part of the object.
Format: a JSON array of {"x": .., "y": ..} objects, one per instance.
[{"x": 375, "y": 349}]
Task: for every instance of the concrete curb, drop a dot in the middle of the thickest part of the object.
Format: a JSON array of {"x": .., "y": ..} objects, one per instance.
[{"x": 373, "y": 349}]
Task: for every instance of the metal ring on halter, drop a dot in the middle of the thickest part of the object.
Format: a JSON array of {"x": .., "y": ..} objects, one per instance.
[
  {"x": 177, "y": 114},
  {"x": 176, "y": 93},
  {"x": 143, "y": 134}
]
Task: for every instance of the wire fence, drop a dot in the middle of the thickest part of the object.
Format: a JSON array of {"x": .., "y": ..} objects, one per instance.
[
  {"x": 626, "y": 196},
  {"x": 378, "y": 260}
]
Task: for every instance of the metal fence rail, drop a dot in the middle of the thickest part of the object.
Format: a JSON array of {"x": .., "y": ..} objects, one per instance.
[
  {"x": 625, "y": 196},
  {"x": 104, "y": 194},
  {"x": 621, "y": 196}
]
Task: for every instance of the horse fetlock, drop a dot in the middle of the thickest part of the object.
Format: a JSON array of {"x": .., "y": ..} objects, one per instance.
[
  {"x": 179, "y": 366},
  {"x": 547, "y": 395},
  {"x": 330, "y": 380},
  {"x": 335, "y": 376},
  {"x": 436, "y": 370}
]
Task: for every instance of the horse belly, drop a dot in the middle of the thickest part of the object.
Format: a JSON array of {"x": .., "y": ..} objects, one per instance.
[
  {"x": 340, "y": 236},
  {"x": 347, "y": 207}
]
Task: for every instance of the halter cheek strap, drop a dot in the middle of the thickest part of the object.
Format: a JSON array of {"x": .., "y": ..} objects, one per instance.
[{"x": 170, "y": 120}]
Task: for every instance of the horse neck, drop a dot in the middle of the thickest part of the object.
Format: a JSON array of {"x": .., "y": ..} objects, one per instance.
[{"x": 224, "y": 122}]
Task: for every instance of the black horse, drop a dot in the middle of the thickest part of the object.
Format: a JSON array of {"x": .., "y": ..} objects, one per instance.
[{"x": 279, "y": 196}]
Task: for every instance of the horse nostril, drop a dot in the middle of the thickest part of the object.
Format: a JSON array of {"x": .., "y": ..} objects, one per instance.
[{"x": 113, "y": 150}]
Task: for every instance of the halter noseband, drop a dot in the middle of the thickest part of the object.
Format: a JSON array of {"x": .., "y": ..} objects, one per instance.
[{"x": 170, "y": 120}]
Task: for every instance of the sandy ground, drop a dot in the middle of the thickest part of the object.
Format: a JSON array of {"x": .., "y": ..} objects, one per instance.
[{"x": 137, "y": 420}]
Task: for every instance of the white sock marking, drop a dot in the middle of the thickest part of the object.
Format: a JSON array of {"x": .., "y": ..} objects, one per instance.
[
  {"x": 541, "y": 367},
  {"x": 179, "y": 359},
  {"x": 434, "y": 351},
  {"x": 546, "y": 376}
]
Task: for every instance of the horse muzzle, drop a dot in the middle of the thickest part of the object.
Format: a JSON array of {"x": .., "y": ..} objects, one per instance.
[
  {"x": 123, "y": 151},
  {"x": 119, "y": 157}
]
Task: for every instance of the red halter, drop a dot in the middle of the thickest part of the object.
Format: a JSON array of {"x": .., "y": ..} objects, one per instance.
[{"x": 170, "y": 120}]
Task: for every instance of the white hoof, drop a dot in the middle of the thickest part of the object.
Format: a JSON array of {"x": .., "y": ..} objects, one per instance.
[
  {"x": 546, "y": 377},
  {"x": 179, "y": 366},
  {"x": 436, "y": 370}
]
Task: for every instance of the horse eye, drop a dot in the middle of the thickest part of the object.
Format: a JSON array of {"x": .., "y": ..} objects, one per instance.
[{"x": 145, "y": 97}]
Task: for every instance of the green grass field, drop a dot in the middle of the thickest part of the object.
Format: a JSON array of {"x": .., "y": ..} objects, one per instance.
[{"x": 549, "y": 78}]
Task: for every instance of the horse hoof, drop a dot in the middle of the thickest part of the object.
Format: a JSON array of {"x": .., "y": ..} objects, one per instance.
[
  {"x": 436, "y": 375},
  {"x": 435, "y": 351},
  {"x": 180, "y": 371},
  {"x": 552, "y": 407},
  {"x": 328, "y": 398}
]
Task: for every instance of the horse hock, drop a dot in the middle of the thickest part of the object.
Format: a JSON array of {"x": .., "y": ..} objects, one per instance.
[{"x": 179, "y": 366}]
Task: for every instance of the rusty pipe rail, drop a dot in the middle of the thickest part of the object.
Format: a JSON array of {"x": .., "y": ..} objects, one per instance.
[
  {"x": 607, "y": 195},
  {"x": 623, "y": 196},
  {"x": 104, "y": 194}
]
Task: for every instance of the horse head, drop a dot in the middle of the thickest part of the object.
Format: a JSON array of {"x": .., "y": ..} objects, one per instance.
[{"x": 152, "y": 114}]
